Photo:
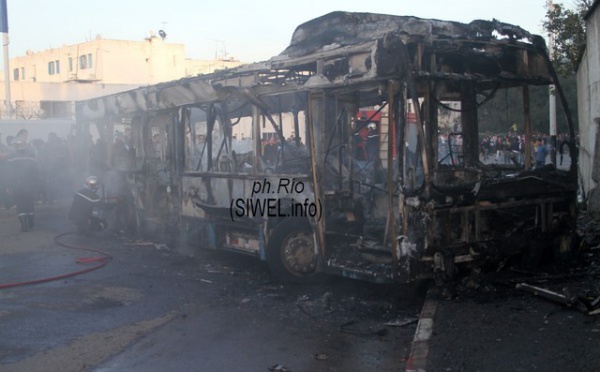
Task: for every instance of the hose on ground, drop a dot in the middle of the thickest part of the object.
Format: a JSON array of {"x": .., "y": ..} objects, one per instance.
[{"x": 98, "y": 262}]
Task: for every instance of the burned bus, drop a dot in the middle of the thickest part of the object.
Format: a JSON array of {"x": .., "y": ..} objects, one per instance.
[{"x": 328, "y": 158}]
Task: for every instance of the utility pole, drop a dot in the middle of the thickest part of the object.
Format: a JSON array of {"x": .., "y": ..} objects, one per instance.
[
  {"x": 552, "y": 95},
  {"x": 4, "y": 30}
]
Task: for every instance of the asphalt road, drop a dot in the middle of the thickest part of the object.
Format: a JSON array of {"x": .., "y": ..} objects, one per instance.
[{"x": 153, "y": 309}]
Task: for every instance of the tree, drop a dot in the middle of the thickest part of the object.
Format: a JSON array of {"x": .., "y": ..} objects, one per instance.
[{"x": 567, "y": 28}]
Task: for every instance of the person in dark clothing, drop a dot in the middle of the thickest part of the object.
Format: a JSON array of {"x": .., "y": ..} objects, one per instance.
[
  {"x": 360, "y": 139},
  {"x": 271, "y": 152},
  {"x": 514, "y": 150},
  {"x": 372, "y": 143},
  {"x": 24, "y": 184},
  {"x": 54, "y": 165},
  {"x": 122, "y": 153},
  {"x": 5, "y": 152},
  {"x": 82, "y": 208},
  {"x": 541, "y": 153}
]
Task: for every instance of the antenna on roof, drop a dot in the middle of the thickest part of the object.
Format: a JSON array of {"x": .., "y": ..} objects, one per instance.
[
  {"x": 162, "y": 32},
  {"x": 220, "y": 50}
]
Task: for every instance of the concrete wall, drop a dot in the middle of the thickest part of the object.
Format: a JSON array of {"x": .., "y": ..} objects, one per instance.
[{"x": 588, "y": 86}]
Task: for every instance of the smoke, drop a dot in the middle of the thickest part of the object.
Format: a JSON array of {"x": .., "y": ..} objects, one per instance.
[{"x": 38, "y": 129}]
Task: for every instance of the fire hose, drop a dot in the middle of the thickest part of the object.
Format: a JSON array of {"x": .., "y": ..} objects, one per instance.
[{"x": 98, "y": 262}]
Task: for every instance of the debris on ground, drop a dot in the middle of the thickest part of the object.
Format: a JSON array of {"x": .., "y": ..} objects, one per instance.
[
  {"x": 574, "y": 284},
  {"x": 353, "y": 328},
  {"x": 138, "y": 243},
  {"x": 402, "y": 322},
  {"x": 564, "y": 299},
  {"x": 279, "y": 368},
  {"x": 321, "y": 356},
  {"x": 576, "y": 287}
]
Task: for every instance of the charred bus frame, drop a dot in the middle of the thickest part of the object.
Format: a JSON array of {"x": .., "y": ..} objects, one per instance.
[{"x": 402, "y": 215}]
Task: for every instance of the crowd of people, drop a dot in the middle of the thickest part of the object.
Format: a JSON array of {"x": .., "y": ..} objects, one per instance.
[
  {"x": 110, "y": 170},
  {"x": 41, "y": 172},
  {"x": 503, "y": 149},
  {"x": 37, "y": 171},
  {"x": 508, "y": 149},
  {"x": 32, "y": 172}
]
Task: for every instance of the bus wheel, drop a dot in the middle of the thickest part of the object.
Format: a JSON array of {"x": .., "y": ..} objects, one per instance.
[{"x": 291, "y": 253}]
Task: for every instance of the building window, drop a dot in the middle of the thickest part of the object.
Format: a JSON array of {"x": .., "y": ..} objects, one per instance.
[
  {"x": 57, "y": 63},
  {"x": 51, "y": 68},
  {"x": 90, "y": 62},
  {"x": 83, "y": 62},
  {"x": 23, "y": 73},
  {"x": 70, "y": 64},
  {"x": 16, "y": 74}
]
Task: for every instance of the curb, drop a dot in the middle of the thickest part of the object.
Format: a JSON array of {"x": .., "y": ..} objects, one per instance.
[{"x": 417, "y": 360}]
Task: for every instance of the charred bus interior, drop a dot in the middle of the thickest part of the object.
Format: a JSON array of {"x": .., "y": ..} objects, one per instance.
[{"x": 332, "y": 157}]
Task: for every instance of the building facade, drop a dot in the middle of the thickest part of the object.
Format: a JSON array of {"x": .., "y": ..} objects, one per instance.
[{"x": 45, "y": 84}]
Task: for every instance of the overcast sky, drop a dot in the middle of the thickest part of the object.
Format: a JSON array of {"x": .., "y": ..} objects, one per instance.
[{"x": 248, "y": 30}]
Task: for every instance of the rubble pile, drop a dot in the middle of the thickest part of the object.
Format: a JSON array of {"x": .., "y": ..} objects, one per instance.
[{"x": 576, "y": 285}]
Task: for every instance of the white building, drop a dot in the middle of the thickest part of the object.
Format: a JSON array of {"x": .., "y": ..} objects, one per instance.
[
  {"x": 45, "y": 84},
  {"x": 588, "y": 86}
]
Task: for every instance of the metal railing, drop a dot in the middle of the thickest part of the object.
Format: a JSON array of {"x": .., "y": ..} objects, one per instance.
[{"x": 33, "y": 110}]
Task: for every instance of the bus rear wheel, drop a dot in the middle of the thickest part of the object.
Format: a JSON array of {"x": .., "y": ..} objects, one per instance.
[{"x": 291, "y": 253}]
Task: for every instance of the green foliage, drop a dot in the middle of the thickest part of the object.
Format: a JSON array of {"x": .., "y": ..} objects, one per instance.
[
  {"x": 567, "y": 26},
  {"x": 506, "y": 108}
]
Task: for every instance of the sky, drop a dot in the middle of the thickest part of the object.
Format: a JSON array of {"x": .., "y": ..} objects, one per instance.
[{"x": 247, "y": 30}]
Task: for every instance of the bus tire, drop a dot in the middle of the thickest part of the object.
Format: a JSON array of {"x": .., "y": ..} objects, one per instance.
[{"x": 291, "y": 253}]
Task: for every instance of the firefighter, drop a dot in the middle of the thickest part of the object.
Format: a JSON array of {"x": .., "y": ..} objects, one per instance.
[
  {"x": 360, "y": 138},
  {"x": 372, "y": 143},
  {"x": 5, "y": 152},
  {"x": 84, "y": 203},
  {"x": 23, "y": 182}
]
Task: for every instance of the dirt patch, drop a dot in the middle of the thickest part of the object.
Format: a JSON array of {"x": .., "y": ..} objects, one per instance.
[
  {"x": 122, "y": 295},
  {"x": 89, "y": 350}
]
